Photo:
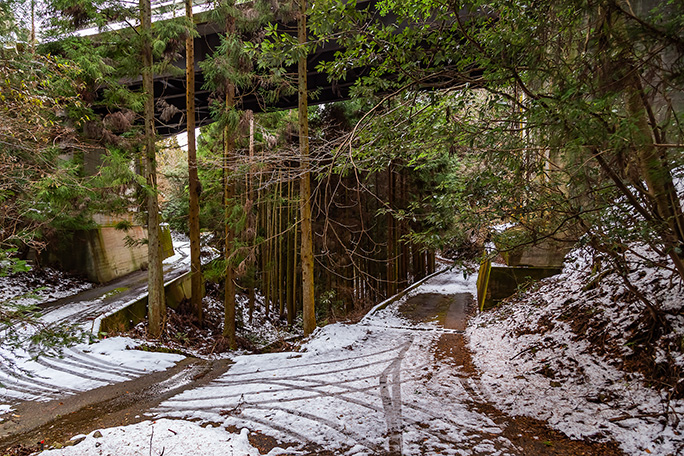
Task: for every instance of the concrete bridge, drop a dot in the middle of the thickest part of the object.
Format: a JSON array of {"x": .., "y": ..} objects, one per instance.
[{"x": 172, "y": 88}]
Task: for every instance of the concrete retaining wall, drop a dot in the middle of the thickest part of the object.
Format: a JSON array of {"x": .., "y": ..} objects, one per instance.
[
  {"x": 496, "y": 283},
  {"x": 122, "y": 320},
  {"x": 106, "y": 253}
]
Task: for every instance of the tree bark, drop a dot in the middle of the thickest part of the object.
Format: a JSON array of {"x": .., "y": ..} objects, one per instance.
[
  {"x": 290, "y": 264},
  {"x": 665, "y": 213},
  {"x": 391, "y": 236},
  {"x": 657, "y": 175},
  {"x": 403, "y": 248},
  {"x": 279, "y": 246},
  {"x": 156, "y": 303},
  {"x": 193, "y": 179},
  {"x": 33, "y": 26},
  {"x": 308, "y": 303},
  {"x": 250, "y": 217},
  {"x": 228, "y": 194}
]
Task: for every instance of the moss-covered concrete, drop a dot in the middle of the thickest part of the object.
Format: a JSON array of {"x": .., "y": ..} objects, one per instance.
[
  {"x": 496, "y": 283},
  {"x": 544, "y": 254}
]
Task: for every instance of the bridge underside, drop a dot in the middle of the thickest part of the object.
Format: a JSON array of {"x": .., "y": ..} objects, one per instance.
[
  {"x": 171, "y": 112},
  {"x": 172, "y": 90}
]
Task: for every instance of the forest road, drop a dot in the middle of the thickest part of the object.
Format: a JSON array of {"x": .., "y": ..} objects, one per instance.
[
  {"x": 399, "y": 383},
  {"x": 87, "y": 305},
  {"x": 519, "y": 435}
]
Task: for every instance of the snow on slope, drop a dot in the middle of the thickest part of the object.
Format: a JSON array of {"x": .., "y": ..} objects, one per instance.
[
  {"x": 558, "y": 354},
  {"x": 34, "y": 287},
  {"x": 24, "y": 376}
]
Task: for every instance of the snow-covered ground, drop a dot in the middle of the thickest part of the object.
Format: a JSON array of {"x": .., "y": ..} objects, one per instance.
[
  {"x": 353, "y": 389},
  {"x": 168, "y": 437},
  {"x": 80, "y": 368},
  {"x": 377, "y": 386},
  {"x": 85, "y": 366},
  {"x": 536, "y": 358},
  {"x": 30, "y": 288}
]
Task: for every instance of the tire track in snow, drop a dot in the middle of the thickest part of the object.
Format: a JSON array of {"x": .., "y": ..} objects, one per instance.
[
  {"x": 29, "y": 386},
  {"x": 378, "y": 401},
  {"x": 317, "y": 363},
  {"x": 353, "y": 435},
  {"x": 57, "y": 363},
  {"x": 388, "y": 406},
  {"x": 94, "y": 360},
  {"x": 392, "y": 401},
  {"x": 234, "y": 400},
  {"x": 244, "y": 420},
  {"x": 309, "y": 374},
  {"x": 13, "y": 386},
  {"x": 41, "y": 387},
  {"x": 292, "y": 387},
  {"x": 92, "y": 371},
  {"x": 79, "y": 374}
]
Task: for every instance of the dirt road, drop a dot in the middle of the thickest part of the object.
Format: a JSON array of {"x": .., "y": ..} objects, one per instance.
[{"x": 401, "y": 382}]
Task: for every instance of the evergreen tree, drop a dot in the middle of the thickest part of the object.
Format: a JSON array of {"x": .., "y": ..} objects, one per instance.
[
  {"x": 128, "y": 121},
  {"x": 156, "y": 303},
  {"x": 193, "y": 179}
]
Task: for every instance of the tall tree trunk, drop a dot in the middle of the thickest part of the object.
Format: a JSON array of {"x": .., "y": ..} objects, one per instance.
[
  {"x": 250, "y": 217},
  {"x": 403, "y": 264},
  {"x": 290, "y": 265},
  {"x": 295, "y": 285},
  {"x": 432, "y": 262},
  {"x": 656, "y": 172},
  {"x": 666, "y": 216},
  {"x": 308, "y": 303},
  {"x": 265, "y": 252},
  {"x": 259, "y": 225},
  {"x": 391, "y": 236},
  {"x": 417, "y": 263},
  {"x": 193, "y": 179},
  {"x": 268, "y": 268},
  {"x": 33, "y": 26},
  {"x": 228, "y": 194},
  {"x": 156, "y": 304},
  {"x": 279, "y": 246}
]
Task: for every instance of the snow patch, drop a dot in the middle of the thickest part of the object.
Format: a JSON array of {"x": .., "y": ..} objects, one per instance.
[{"x": 168, "y": 437}]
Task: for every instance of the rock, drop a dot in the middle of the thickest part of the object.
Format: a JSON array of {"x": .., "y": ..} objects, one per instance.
[
  {"x": 97, "y": 434},
  {"x": 78, "y": 439}
]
